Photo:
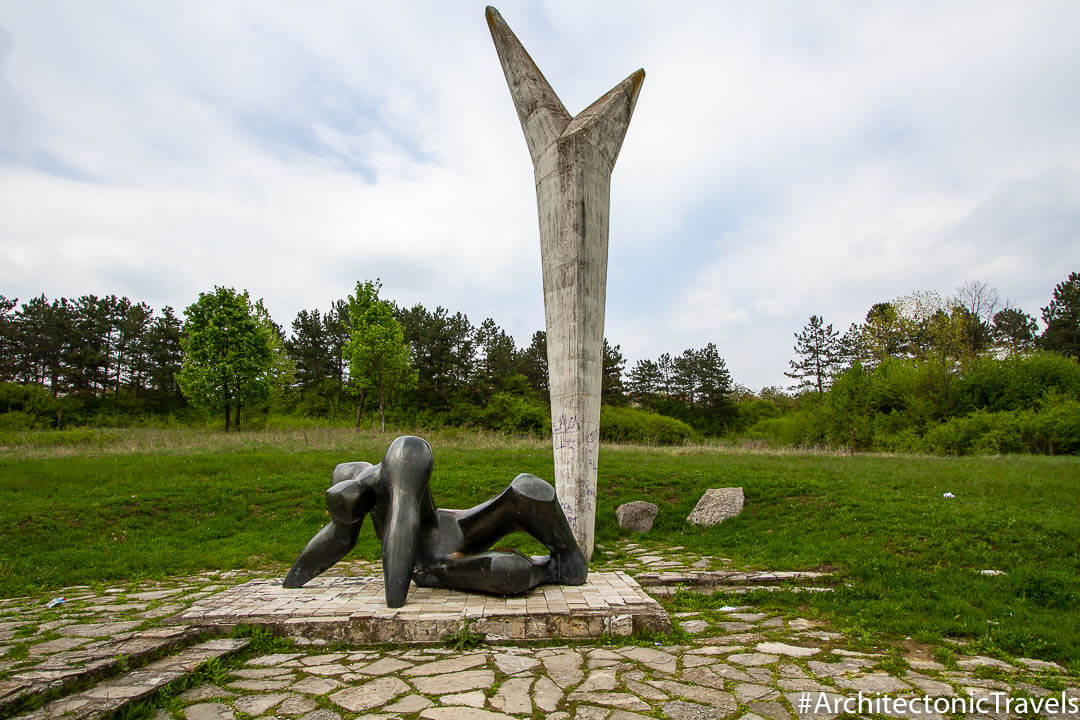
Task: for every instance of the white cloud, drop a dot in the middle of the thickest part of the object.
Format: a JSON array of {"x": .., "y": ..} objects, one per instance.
[{"x": 783, "y": 159}]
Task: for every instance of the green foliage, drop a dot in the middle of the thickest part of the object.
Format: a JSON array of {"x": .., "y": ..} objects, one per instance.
[
  {"x": 228, "y": 354},
  {"x": 908, "y": 559},
  {"x": 1019, "y": 403},
  {"x": 377, "y": 352},
  {"x": 464, "y": 638},
  {"x": 514, "y": 414},
  {"x": 1062, "y": 318},
  {"x": 817, "y": 350},
  {"x": 630, "y": 425}
]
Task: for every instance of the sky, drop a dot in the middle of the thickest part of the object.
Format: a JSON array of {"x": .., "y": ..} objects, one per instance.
[{"x": 784, "y": 158}]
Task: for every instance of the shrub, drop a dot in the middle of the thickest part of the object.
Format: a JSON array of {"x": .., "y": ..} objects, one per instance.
[
  {"x": 626, "y": 424},
  {"x": 515, "y": 415}
]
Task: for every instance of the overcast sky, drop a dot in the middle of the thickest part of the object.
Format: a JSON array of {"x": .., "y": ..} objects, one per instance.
[{"x": 784, "y": 159}]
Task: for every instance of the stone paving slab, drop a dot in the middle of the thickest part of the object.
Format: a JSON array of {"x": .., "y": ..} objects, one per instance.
[
  {"x": 109, "y": 696},
  {"x": 352, "y": 610},
  {"x": 65, "y": 669}
]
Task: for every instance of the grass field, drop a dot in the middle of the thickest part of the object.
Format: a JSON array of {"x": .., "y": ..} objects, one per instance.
[{"x": 96, "y": 506}]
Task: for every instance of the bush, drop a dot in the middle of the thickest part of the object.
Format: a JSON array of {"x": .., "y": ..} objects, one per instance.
[
  {"x": 1016, "y": 382},
  {"x": 515, "y": 415},
  {"x": 625, "y": 424}
]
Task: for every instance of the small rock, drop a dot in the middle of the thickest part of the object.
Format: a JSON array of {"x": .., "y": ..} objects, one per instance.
[
  {"x": 717, "y": 505},
  {"x": 636, "y": 516}
]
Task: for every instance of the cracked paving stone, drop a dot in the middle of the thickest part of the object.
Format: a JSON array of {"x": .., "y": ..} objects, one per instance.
[
  {"x": 258, "y": 704},
  {"x": 803, "y": 684},
  {"x": 331, "y": 669},
  {"x": 454, "y": 682},
  {"x": 716, "y": 698},
  {"x": 779, "y": 648},
  {"x": 322, "y": 659},
  {"x": 624, "y": 700},
  {"x": 204, "y": 692},
  {"x": 591, "y": 712},
  {"x": 322, "y": 714},
  {"x": 297, "y": 705},
  {"x": 462, "y": 713},
  {"x": 383, "y": 666},
  {"x": 873, "y": 683},
  {"x": 514, "y": 664},
  {"x": 564, "y": 667},
  {"x": 275, "y": 659},
  {"x": 257, "y": 685},
  {"x": 409, "y": 704},
  {"x": 209, "y": 711},
  {"x": 371, "y": 694},
  {"x": 513, "y": 696},
  {"x": 646, "y": 691},
  {"x": 546, "y": 694},
  {"x": 656, "y": 660},
  {"x": 627, "y": 715},
  {"x": 474, "y": 698},
  {"x": 771, "y": 709},
  {"x": 930, "y": 686},
  {"x": 753, "y": 659},
  {"x": 682, "y": 710},
  {"x": 262, "y": 673},
  {"x": 314, "y": 685},
  {"x": 745, "y": 692},
  {"x": 450, "y": 665},
  {"x": 598, "y": 680}
]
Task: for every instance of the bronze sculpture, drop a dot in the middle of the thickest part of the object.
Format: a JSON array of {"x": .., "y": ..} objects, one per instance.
[{"x": 441, "y": 548}]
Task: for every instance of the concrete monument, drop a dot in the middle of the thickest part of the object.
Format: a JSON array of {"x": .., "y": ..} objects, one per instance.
[{"x": 572, "y": 162}]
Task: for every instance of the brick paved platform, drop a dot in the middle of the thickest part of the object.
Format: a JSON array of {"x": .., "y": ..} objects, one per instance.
[{"x": 352, "y": 610}]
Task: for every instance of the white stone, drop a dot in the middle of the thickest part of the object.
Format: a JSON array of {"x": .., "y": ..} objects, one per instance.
[
  {"x": 717, "y": 505},
  {"x": 636, "y": 516},
  {"x": 513, "y": 696}
]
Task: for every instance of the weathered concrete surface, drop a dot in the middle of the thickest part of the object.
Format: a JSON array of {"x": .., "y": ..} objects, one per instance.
[
  {"x": 350, "y": 610},
  {"x": 572, "y": 162}
]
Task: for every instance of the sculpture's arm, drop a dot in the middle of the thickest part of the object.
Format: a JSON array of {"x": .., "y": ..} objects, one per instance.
[{"x": 347, "y": 501}]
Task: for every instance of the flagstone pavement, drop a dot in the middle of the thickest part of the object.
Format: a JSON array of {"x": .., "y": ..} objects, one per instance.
[{"x": 102, "y": 649}]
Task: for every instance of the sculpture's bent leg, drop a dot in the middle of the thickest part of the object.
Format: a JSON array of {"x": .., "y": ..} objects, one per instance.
[
  {"x": 348, "y": 500},
  {"x": 529, "y": 505},
  {"x": 499, "y": 571},
  {"x": 405, "y": 470}
]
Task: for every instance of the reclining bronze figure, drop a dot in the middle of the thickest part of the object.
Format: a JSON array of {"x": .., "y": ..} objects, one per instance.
[{"x": 441, "y": 548}]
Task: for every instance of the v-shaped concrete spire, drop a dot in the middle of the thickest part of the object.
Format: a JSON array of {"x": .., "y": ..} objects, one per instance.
[{"x": 572, "y": 162}]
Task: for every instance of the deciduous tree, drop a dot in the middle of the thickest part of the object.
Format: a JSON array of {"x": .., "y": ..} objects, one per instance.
[
  {"x": 227, "y": 353},
  {"x": 377, "y": 351}
]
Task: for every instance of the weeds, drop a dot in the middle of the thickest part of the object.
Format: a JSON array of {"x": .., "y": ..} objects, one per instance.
[{"x": 464, "y": 638}]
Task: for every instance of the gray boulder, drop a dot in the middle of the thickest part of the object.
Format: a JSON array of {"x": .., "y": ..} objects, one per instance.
[
  {"x": 717, "y": 505},
  {"x": 636, "y": 516}
]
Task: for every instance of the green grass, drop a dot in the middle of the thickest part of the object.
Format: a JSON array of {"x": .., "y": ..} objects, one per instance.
[{"x": 908, "y": 559}]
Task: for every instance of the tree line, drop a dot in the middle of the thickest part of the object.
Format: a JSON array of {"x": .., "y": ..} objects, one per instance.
[
  {"x": 361, "y": 356},
  {"x": 921, "y": 372}
]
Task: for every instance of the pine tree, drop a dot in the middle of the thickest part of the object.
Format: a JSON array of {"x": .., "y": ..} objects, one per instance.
[
  {"x": 817, "y": 352},
  {"x": 1062, "y": 318}
]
